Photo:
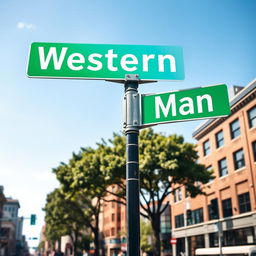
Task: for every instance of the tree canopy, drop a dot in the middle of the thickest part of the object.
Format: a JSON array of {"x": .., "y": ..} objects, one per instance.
[{"x": 165, "y": 162}]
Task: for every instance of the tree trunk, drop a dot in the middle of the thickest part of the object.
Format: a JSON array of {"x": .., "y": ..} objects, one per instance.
[
  {"x": 75, "y": 243},
  {"x": 96, "y": 242},
  {"x": 156, "y": 232},
  {"x": 59, "y": 244},
  {"x": 96, "y": 239}
]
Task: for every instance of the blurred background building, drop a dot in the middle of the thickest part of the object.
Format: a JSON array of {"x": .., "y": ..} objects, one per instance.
[{"x": 12, "y": 242}]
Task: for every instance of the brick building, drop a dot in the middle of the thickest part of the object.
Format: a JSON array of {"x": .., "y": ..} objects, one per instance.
[
  {"x": 227, "y": 146},
  {"x": 12, "y": 242},
  {"x": 113, "y": 225}
]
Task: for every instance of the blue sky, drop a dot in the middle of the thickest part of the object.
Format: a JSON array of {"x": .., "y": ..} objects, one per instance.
[{"x": 43, "y": 121}]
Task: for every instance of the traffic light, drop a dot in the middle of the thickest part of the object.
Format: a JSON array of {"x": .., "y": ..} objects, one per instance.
[
  {"x": 214, "y": 209},
  {"x": 32, "y": 219}
]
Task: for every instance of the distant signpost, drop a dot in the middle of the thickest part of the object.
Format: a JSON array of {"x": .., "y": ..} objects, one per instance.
[
  {"x": 205, "y": 102},
  {"x": 105, "y": 61}
]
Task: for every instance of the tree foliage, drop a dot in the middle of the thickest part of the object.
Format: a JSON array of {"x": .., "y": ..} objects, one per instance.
[
  {"x": 146, "y": 234},
  {"x": 63, "y": 217},
  {"x": 85, "y": 181},
  {"x": 165, "y": 163}
]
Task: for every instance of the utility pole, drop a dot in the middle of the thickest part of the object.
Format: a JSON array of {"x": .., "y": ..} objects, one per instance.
[{"x": 131, "y": 128}]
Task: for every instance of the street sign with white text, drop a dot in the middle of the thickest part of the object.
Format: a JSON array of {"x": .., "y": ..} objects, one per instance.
[
  {"x": 105, "y": 61},
  {"x": 205, "y": 102}
]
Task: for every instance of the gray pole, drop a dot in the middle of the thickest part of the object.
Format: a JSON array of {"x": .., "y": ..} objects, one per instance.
[
  {"x": 131, "y": 128},
  {"x": 220, "y": 235}
]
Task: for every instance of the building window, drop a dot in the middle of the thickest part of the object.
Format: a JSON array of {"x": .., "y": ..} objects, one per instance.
[
  {"x": 214, "y": 239},
  {"x": 197, "y": 216},
  {"x": 166, "y": 221},
  {"x": 187, "y": 193},
  {"x": 209, "y": 169},
  {"x": 177, "y": 195},
  {"x": 200, "y": 241},
  {"x": 244, "y": 202},
  {"x": 219, "y": 137},
  {"x": 238, "y": 157},
  {"x": 227, "y": 207},
  {"x": 5, "y": 233},
  {"x": 113, "y": 217},
  {"x": 223, "y": 169},
  {"x": 252, "y": 117},
  {"x": 165, "y": 225},
  {"x": 206, "y": 148},
  {"x": 213, "y": 209},
  {"x": 254, "y": 150},
  {"x": 235, "y": 129},
  {"x": 243, "y": 236},
  {"x": 179, "y": 221},
  {"x": 112, "y": 231}
]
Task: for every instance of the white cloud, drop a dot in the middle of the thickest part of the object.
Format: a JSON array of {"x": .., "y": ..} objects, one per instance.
[{"x": 24, "y": 25}]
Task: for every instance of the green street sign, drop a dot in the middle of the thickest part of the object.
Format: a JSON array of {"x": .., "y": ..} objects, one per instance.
[
  {"x": 198, "y": 103},
  {"x": 105, "y": 61}
]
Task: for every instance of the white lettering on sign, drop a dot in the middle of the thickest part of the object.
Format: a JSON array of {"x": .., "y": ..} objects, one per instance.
[
  {"x": 159, "y": 104},
  {"x": 162, "y": 58},
  {"x": 92, "y": 59},
  {"x": 209, "y": 103},
  {"x": 57, "y": 63},
  {"x": 72, "y": 60},
  {"x": 125, "y": 62},
  {"x": 128, "y": 62},
  {"x": 145, "y": 59},
  {"x": 110, "y": 56},
  {"x": 187, "y": 105}
]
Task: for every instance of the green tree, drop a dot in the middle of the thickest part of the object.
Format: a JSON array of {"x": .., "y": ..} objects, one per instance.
[
  {"x": 146, "y": 234},
  {"x": 165, "y": 161},
  {"x": 85, "y": 182},
  {"x": 63, "y": 217}
]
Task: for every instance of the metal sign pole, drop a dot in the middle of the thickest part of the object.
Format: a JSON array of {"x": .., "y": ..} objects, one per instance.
[{"x": 131, "y": 128}]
